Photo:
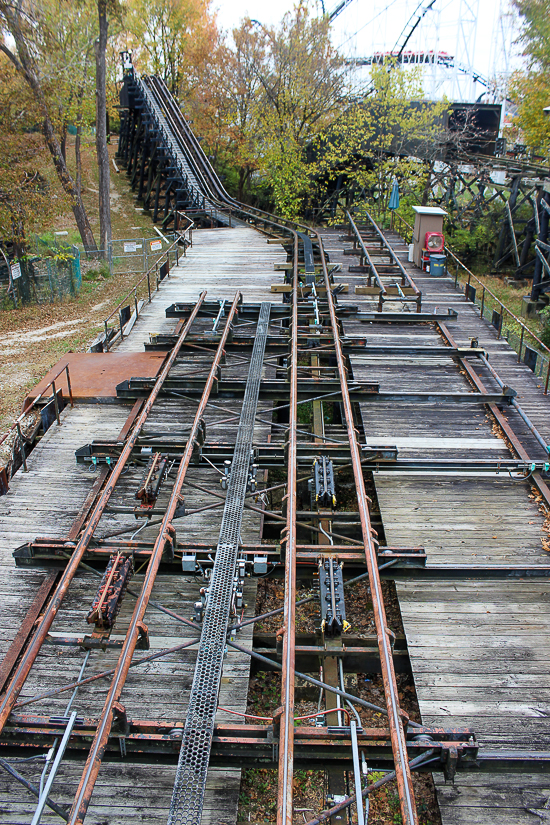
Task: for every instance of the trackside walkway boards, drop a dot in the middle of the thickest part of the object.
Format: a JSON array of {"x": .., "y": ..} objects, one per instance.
[
  {"x": 44, "y": 502},
  {"x": 478, "y": 649}
]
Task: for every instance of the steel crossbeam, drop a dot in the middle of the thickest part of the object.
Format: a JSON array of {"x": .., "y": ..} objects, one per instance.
[
  {"x": 165, "y": 535},
  {"x": 190, "y": 783},
  {"x": 79, "y": 549},
  {"x": 395, "y": 714}
]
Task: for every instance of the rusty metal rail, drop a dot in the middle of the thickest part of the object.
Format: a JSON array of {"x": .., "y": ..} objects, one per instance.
[
  {"x": 311, "y": 353},
  {"x": 165, "y": 536},
  {"x": 395, "y": 714},
  {"x": 79, "y": 548},
  {"x": 286, "y": 725},
  {"x": 414, "y": 294}
]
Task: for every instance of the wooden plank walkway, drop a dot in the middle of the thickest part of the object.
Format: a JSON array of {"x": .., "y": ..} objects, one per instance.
[
  {"x": 45, "y": 501},
  {"x": 477, "y": 648},
  {"x": 222, "y": 261}
]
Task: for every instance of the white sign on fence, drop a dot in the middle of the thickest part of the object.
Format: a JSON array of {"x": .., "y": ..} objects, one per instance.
[
  {"x": 15, "y": 271},
  {"x": 156, "y": 246},
  {"x": 130, "y": 246}
]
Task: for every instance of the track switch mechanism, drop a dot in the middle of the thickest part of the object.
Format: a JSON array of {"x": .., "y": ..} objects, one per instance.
[
  {"x": 148, "y": 492},
  {"x": 321, "y": 486},
  {"x": 251, "y": 484},
  {"x": 333, "y": 607},
  {"x": 108, "y": 598}
]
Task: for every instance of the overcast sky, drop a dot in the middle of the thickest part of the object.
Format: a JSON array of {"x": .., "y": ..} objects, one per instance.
[{"x": 368, "y": 26}]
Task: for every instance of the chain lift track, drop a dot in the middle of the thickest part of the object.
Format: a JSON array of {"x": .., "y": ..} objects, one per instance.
[{"x": 190, "y": 782}]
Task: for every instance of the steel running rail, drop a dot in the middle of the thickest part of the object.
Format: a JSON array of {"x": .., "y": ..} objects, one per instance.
[
  {"x": 399, "y": 747},
  {"x": 190, "y": 783},
  {"x": 215, "y": 191},
  {"x": 286, "y": 723},
  {"x": 365, "y": 256},
  {"x": 165, "y": 535},
  {"x": 28, "y": 659},
  {"x": 405, "y": 277}
]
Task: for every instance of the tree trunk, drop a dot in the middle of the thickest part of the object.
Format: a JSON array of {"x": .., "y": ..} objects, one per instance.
[
  {"x": 78, "y": 158},
  {"x": 101, "y": 131},
  {"x": 68, "y": 184},
  {"x": 78, "y": 138},
  {"x": 26, "y": 67},
  {"x": 427, "y": 185},
  {"x": 64, "y": 141}
]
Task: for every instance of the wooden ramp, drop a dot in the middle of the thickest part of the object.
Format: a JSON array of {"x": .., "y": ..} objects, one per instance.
[{"x": 222, "y": 261}]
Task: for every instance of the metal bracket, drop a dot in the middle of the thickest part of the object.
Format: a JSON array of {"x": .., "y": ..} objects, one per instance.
[
  {"x": 121, "y": 718},
  {"x": 143, "y": 640},
  {"x": 451, "y": 762}
]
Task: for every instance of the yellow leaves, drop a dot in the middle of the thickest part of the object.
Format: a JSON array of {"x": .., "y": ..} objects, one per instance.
[{"x": 531, "y": 92}]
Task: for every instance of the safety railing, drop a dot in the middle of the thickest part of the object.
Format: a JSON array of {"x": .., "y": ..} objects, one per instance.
[
  {"x": 516, "y": 332},
  {"x": 492, "y": 309},
  {"x": 149, "y": 281},
  {"x": 402, "y": 227},
  {"x": 20, "y": 440}
]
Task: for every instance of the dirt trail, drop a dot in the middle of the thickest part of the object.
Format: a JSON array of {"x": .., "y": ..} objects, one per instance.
[{"x": 33, "y": 338}]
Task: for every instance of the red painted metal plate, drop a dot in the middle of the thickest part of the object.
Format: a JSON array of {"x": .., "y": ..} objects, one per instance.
[{"x": 95, "y": 375}]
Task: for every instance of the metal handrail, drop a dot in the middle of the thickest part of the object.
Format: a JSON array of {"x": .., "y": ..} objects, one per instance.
[
  {"x": 401, "y": 219},
  {"x": 147, "y": 276},
  {"x": 504, "y": 309},
  {"x": 17, "y": 423},
  {"x": 524, "y": 328}
]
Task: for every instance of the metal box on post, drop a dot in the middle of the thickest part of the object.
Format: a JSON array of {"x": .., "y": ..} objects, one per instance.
[{"x": 427, "y": 219}]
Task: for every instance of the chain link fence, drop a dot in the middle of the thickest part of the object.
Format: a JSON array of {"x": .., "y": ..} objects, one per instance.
[
  {"x": 52, "y": 272},
  {"x": 41, "y": 280},
  {"x": 129, "y": 255}
]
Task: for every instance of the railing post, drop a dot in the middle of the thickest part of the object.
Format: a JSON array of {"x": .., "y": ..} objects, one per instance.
[
  {"x": 135, "y": 302},
  {"x": 149, "y": 285},
  {"x": 547, "y": 378},
  {"x": 55, "y": 403},
  {"x": 501, "y": 321},
  {"x": 69, "y": 384},
  {"x": 106, "y": 344},
  {"x": 456, "y": 275},
  {"x": 120, "y": 323},
  {"x": 482, "y": 303},
  {"x": 521, "y": 344},
  {"x": 22, "y": 448}
]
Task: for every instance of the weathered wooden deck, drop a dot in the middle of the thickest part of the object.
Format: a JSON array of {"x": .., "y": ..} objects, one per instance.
[
  {"x": 478, "y": 649},
  {"x": 45, "y": 501}
]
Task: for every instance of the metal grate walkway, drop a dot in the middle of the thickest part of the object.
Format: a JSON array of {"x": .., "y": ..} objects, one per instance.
[{"x": 190, "y": 782}]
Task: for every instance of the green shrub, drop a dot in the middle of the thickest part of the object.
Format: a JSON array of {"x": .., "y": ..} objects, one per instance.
[
  {"x": 97, "y": 274},
  {"x": 544, "y": 316}
]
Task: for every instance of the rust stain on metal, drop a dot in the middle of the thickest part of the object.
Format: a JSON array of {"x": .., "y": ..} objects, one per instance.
[{"x": 96, "y": 374}]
